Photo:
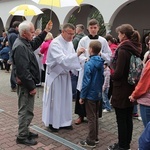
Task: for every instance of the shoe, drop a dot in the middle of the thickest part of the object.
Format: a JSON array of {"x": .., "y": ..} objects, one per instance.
[
  {"x": 139, "y": 118},
  {"x": 26, "y": 141},
  {"x": 115, "y": 146},
  {"x": 96, "y": 141},
  {"x": 135, "y": 115},
  {"x": 33, "y": 135},
  {"x": 105, "y": 110},
  {"x": 79, "y": 120},
  {"x": 6, "y": 71},
  {"x": 85, "y": 144},
  {"x": 53, "y": 129},
  {"x": 14, "y": 90},
  {"x": 67, "y": 127}
]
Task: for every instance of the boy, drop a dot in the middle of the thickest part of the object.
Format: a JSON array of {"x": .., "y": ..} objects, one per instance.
[{"x": 91, "y": 93}]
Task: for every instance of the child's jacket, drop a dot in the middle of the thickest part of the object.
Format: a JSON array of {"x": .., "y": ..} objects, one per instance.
[{"x": 93, "y": 79}]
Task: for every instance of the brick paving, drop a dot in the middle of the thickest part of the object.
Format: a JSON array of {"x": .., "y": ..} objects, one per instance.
[{"x": 9, "y": 124}]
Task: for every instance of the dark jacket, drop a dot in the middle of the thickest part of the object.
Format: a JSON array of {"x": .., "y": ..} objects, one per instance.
[
  {"x": 76, "y": 39},
  {"x": 121, "y": 88},
  {"x": 4, "y": 53},
  {"x": 24, "y": 60},
  {"x": 12, "y": 36},
  {"x": 93, "y": 79}
]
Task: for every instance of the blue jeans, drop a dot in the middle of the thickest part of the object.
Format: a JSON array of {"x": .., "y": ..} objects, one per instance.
[
  {"x": 106, "y": 103},
  {"x": 145, "y": 114},
  {"x": 135, "y": 110}
]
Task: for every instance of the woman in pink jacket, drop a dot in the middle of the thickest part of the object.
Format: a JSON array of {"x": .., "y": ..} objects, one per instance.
[{"x": 44, "y": 49}]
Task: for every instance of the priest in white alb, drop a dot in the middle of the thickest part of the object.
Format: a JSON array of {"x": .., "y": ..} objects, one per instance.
[{"x": 57, "y": 97}]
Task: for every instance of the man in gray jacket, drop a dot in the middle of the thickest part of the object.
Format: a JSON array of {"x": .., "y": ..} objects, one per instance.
[{"x": 27, "y": 76}]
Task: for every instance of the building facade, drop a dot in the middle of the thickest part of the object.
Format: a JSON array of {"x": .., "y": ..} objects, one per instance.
[{"x": 114, "y": 12}]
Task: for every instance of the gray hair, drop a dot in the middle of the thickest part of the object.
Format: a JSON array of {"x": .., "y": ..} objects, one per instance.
[{"x": 24, "y": 26}]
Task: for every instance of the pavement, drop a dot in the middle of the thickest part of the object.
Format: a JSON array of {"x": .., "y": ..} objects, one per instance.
[{"x": 64, "y": 139}]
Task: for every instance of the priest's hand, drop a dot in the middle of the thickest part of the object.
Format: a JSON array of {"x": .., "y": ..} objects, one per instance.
[
  {"x": 49, "y": 26},
  {"x": 81, "y": 101},
  {"x": 80, "y": 51}
]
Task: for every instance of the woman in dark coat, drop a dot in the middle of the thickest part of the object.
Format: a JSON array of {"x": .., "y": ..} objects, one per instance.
[{"x": 129, "y": 43}]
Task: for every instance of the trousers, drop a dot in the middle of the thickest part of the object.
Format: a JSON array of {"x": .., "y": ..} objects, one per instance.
[{"x": 25, "y": 111}]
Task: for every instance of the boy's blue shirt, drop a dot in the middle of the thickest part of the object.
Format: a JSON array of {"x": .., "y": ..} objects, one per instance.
[{"x": 93, "y": 79}]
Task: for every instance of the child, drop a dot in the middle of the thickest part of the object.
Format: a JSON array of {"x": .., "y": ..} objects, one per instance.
[
  {"x": 106, "y": 104},
  {"x": 91, "y": 93}
]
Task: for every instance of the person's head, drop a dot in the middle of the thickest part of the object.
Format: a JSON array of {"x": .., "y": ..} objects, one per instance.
[
  {"x": 6, "y": 44},
  {"x": 93, "y": 27},
  {"x": 26, "y": 30},
  {"x": 94, "y": 47},
  {"x": 15, "y": 24},
  {"x": 79, "y": 28},
  {"x": 127, "y": 32},
  {"x": 68, "y": 32},
  {"x": 109, "y": 38},
  {"x": 49, "y": 36},
  {"x": 37, "y": 32}
]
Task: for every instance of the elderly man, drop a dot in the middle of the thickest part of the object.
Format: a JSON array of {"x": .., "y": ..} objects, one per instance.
[{"x": 27, "y": 76}]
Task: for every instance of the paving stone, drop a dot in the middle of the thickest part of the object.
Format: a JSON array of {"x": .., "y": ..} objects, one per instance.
[{"x": 9, "y": 125}]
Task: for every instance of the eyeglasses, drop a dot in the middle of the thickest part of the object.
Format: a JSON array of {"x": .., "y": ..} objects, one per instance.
[{"x": 71, "y": 34}]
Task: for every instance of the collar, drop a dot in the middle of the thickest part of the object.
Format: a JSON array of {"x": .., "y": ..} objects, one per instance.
[{"x": 93, "y": 37}]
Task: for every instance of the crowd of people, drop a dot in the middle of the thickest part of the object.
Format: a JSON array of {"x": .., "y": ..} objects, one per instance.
[{"x": 75, "y": 66}]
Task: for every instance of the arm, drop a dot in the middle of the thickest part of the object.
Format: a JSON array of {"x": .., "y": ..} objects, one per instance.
[
  {"x": 106, "y": 80},
  {"x": 86, "y": 81},
  {"x": 106, "y": 51},
  {"x": 36, "y": 42}
]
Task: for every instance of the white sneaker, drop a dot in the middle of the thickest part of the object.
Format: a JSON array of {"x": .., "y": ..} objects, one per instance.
[
  {"x": 139, "y": 118},
  {"x": 105, "y": 110}
]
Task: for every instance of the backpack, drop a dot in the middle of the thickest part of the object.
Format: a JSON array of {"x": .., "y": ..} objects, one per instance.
[{"x": 135, "y": 69}]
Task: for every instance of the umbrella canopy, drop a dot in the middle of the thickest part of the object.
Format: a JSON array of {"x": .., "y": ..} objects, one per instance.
[
  {"x": 59, "y": 3},
  {"x": 25, "y": 10}
]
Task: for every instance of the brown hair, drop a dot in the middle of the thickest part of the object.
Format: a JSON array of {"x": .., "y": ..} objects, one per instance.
[
  {"x": 93, "y": 22},
  {"x": 96, "y": 46},
  {"x": 129, "y": 31},
  {"x": 68, "y": 25},
  {"x": 81, "y": 26}
]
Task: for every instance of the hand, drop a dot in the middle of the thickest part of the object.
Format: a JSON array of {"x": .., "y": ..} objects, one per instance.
[
  {"x": 103, "y": 89},
  {"x": 9, "y": 62},
  {"x": 18, "y": 81},
  {"x": 33, "y": 92},
  {"x": 80, "y": 51},
  {"x": 81, "y": 101},
  {"x": 39, "y": 54},
  {"x": 48, "y": 26},
  {"x": 131, "y": 99}
]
